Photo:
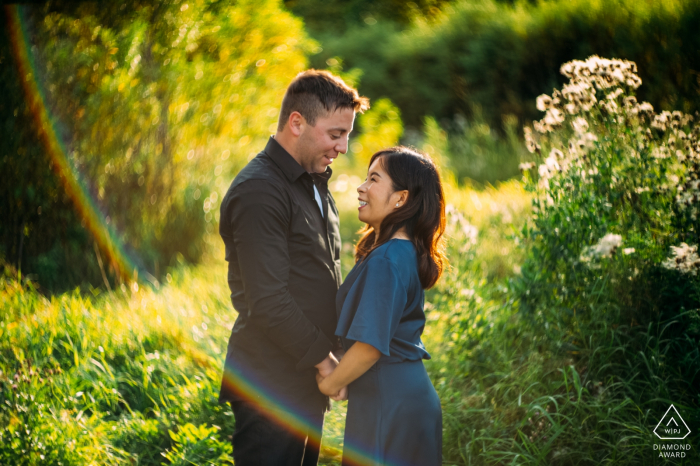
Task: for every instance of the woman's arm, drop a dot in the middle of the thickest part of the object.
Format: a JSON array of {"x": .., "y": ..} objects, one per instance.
[{"x": 359, "y": 358}]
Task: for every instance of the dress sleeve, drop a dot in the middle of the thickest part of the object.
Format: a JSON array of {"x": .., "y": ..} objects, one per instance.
[{"x": 374, "y": 305}]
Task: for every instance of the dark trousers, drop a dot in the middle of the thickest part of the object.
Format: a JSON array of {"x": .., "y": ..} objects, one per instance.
[{"x": 260, "y": 439}]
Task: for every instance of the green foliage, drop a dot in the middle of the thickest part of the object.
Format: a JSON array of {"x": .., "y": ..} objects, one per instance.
[
  {"x": 114, "y": 379},
  {"x": 326, "y": 17},
  {"x": 500, "y": 57},
  {"x": 157, "y": 105},
  {"x": 380, "y": 127},
  {"x": 472, "y": 151},
  {"x": 615, "y": 195},
  {"x": 197, "y": 445}
]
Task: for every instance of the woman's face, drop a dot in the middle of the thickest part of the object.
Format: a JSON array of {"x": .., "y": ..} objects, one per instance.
[{"x": 377, "y": 196}]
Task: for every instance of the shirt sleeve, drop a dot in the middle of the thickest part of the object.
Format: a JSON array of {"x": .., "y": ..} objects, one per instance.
[
  {"x": 259, "y": 220},
  {"x": 375, "y": 305}
]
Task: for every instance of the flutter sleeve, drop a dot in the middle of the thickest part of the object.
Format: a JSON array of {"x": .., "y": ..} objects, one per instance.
[{"x": 374, "y": 305}]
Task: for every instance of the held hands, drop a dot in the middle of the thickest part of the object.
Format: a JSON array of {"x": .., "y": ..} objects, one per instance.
[
  {"x": 333, "y": 381},
  {"x": 325, "y": 369},
  {"x": 325, "y": 387}
]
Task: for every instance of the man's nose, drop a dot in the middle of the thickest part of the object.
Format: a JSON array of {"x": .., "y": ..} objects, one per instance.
[{"x": 342, "y": 146}]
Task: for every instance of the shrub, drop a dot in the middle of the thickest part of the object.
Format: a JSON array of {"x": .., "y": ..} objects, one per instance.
[{"x": 609, "y": 278}]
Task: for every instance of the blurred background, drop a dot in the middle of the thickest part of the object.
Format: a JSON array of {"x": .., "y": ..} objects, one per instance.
[
  {"x": 122, "y": 124},
  {"x": 155, "y": 106}
]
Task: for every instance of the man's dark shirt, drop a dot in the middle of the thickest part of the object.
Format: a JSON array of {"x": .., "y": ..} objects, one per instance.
[{"x": 283, "y": 271}]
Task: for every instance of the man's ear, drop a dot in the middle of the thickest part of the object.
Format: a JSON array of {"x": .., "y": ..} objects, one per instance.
[{"x": 296, "y": 123}]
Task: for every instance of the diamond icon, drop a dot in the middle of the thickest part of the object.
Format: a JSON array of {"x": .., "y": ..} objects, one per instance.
[{"x": 672, "y": 426}]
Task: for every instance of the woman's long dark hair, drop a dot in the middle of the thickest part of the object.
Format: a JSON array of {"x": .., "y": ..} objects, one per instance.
[{"x": 422, "y": 215}]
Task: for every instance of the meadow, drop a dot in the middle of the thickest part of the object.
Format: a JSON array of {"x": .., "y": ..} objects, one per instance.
[{"x": 132, "y": 376}]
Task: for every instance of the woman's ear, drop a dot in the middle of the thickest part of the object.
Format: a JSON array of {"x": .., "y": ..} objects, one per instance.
[{"x": 403, "y": 197}]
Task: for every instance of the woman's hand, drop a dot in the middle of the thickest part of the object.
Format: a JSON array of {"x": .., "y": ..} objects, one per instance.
[
  {"x": 359, "y": 358},
  {"x": 342, "y": 395},
  {"x": 325, "y": 387}
]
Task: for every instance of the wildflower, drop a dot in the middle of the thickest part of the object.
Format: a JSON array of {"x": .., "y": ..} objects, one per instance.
[
  {"x": 688, "y": 197},
  {"x": 684, "y": 259},
  {"x": 526, "y": 166},
  {"x": 661, "y": 121},
  {"x": 646, "y": 107},
  {"x": 540, "y": 128},
  {"x": 633, "y": 81},
  {"x": 530, "y": 143},
  {"x": 610, "y": 106},
  {"x": 630, "y": 105},
  {"x": 553, "y": 118},
  {"x": 628, "y": 251},
  {"x": 544, "y": 102},
  {"x": 549, "y": 167},
  {"x": 556, "y": 154},
  {"x": 614, "y": 94},
  {"x": 583, "y": 145}
]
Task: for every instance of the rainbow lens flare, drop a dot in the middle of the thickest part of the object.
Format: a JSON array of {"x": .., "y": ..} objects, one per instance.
[
  {"x": 124, "y": 266},
  {"x": 71, "y": 180}
]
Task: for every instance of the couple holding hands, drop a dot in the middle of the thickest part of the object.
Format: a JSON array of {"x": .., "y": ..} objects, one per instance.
[{"x": 302, "y": 334}]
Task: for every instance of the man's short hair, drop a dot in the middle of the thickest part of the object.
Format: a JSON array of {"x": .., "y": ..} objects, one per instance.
[{"x": 315, "y": 93}]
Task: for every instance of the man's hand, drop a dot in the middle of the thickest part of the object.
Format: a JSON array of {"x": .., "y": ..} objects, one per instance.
[{"x": 327, "y": 366}]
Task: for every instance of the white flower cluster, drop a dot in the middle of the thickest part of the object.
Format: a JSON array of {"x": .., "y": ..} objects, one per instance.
[
  {"x": 602, "y": 85},
  {"x": 586, "y": 78},
  {"x": 673, "y": 120},
  {"x": 605, "y": 247},
  {"x": 687, "y": 151},
  {"x": 602, "y": 72},
  {"x": 684, "y": 259}
]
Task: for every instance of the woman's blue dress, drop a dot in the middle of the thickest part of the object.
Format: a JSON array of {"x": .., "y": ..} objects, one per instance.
[{"x": 394, "y": 416}]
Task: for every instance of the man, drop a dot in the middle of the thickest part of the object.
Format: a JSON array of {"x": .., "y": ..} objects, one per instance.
[{"x": 279, "y": 223}]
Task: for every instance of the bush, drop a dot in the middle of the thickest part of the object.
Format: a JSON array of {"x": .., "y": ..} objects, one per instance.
[{"x": 609, "y": 279}]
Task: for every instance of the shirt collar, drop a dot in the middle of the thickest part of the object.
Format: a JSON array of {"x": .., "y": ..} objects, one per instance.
[{"x": 290, "y": 167}]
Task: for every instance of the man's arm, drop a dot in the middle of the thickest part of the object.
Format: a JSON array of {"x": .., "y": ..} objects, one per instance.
[{"x": 259, "y": 220}]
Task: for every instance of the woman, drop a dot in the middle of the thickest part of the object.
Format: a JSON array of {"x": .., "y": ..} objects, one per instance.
[{"x": 394, "y": 414}]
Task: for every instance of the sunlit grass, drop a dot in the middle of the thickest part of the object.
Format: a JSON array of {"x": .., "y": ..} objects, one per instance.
[{"x": 139, "y": 362}]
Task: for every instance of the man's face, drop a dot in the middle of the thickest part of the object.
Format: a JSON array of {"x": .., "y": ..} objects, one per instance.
[{"x": 319, "y": 145}]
